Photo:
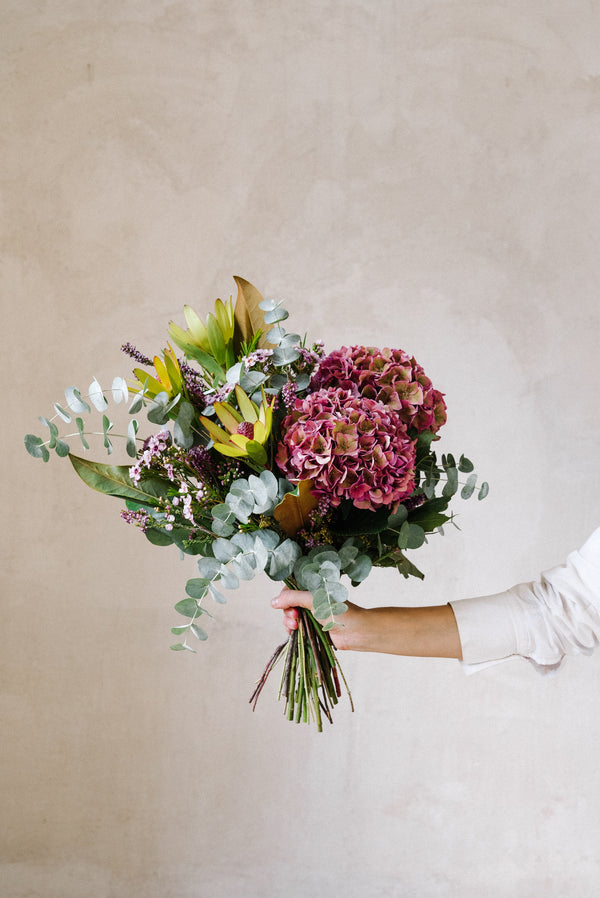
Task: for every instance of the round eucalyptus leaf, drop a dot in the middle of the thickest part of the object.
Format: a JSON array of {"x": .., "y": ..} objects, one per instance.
[
  {"x": 75, "y": 402},
  {"x": 62, "y": 413},
  {"x": 196, "y": 587},
  {"x": 469, "y": 487},
  {"x": 411, "y": 536},
  {"x": 61, "y": 448},
  {"x": 35, "y": 447},
  {"x": 97, "y": 397},
  {"x": 120, "y": 391},
  {"x": 483, "y": 490}
]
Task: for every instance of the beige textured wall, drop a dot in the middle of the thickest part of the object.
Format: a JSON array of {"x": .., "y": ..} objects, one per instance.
[{"x": 422, "y": 174}]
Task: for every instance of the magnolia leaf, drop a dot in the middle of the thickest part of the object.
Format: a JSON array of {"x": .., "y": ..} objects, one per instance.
[
  {"x": 115, "y": 481},
  {"x": 97, "y": 397},
  {"x": 248, "y": 315},
  {"x": 293, "y": 511}
]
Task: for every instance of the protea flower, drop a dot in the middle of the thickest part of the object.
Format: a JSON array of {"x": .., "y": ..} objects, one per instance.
[
  {"x": 168, "y": 375},
  {"x": 244, "y": 432}
]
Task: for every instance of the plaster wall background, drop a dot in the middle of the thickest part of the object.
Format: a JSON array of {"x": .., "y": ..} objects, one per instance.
[{"x": 421, "y": 174}]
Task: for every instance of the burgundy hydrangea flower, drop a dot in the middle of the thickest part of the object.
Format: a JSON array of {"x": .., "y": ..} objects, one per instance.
[
  {"x": 390, "y": 376},
  {"x": 350, "y": 446}
]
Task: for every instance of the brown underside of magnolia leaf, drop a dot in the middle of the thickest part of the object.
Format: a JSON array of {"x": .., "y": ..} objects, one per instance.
[{"x": 292, "y": 512}]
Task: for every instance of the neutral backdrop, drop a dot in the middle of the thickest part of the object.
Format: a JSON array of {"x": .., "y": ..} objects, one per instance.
[{"x": 420, "y": 174}]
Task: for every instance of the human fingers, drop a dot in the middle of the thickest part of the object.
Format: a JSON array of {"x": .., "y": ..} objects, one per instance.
[
  {"x": 290, "y": 619},
  {"x": 292, "y": 598}
]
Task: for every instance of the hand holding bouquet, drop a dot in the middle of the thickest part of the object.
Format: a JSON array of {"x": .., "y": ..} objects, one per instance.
[{"x": 269, "y": 456}]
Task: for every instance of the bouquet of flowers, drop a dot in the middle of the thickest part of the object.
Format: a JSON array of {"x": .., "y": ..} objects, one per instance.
[{"x": 268, "y": 455}]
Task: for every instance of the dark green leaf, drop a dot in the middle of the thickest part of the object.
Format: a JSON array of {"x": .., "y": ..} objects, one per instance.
[
  {"x": 465, "y": 466},
  {"x": 411, "y": 536},
  {"x": 114, "y": 481},
  {"x": 483, "y": 490},
  {"x": 158, "y": 537}
]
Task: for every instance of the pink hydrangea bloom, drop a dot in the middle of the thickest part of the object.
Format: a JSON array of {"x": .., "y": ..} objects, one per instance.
[
  {"x": 350, "y": 446},
  {"x": 390, "y": 376}
]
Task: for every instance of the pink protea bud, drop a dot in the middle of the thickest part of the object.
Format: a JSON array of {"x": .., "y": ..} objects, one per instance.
[{"x": 246, "y": 429}]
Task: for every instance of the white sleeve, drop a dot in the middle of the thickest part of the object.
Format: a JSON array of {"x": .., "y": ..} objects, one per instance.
[{"x": 542, "y": 621}]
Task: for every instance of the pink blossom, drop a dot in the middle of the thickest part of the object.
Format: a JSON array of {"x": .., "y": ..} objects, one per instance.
[
  {"x": 351, "y": 447},
  {"x": 390, "y": 376}
]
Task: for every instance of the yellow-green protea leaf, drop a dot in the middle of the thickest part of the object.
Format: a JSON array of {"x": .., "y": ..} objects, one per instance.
[
  {"x": 256, "y": 452},
  {"x": 230, "y": 449},
  {"x": 228, "y": 416},
  {"x": 216, "y": 339},
  {"x": 196, "y": 329},
  {"x": 182, "y": 338},
  {"x": 154, "y": 386},
  {"x": 173, "y": 369},
  {"x": 163, "y": 374},
  {"x": 224, "y": 316},
  {"x": 260, "y": 432},
  {"x": 215, "y": 432},
  {"x": 248, "y": 409},
  {"x": 238, "y": 439}
]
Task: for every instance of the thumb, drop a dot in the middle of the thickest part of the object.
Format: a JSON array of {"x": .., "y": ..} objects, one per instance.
[{"x": 292, "y": 598}]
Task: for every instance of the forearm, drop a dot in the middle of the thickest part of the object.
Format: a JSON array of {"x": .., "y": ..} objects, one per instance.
[{"x": 429, "y": 632}]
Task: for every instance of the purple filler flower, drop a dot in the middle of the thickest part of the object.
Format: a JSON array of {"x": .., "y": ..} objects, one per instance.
[
  {"x": 351, "y": 447},
  {"x": 390, "y": 376}
]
